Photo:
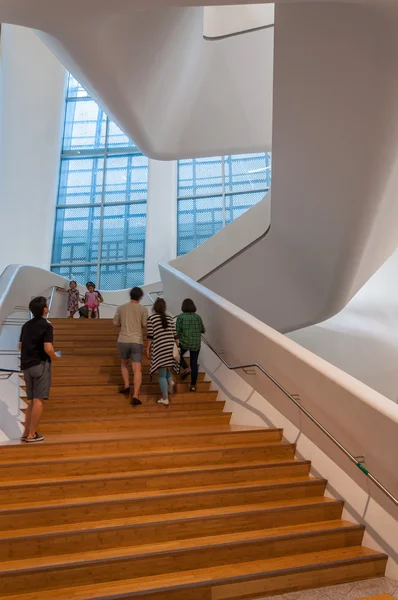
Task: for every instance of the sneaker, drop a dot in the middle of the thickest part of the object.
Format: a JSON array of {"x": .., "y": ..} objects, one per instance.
[
  {"x": 135, "y": 402},
  {"x": 171, "y": 385},
  {"x": 192, "y": 388},
  {"x": 125, "y": 391},
  {"x": 164, "y": 401},
  {"x": 37, "y": 438}
]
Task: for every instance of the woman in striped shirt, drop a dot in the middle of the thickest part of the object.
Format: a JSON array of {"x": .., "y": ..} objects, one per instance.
[{"x": 161, "y": 335}]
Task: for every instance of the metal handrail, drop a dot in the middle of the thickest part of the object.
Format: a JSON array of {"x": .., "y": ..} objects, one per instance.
[
  {"x": 310, "y": 416},
  {"x": 10, "y": 373}
]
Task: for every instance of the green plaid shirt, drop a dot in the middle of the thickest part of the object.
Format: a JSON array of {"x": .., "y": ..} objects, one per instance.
[{"x": 189, "y": 328}]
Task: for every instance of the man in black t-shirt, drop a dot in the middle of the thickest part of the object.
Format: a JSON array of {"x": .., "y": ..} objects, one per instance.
[{"x": 36, "y": 345}]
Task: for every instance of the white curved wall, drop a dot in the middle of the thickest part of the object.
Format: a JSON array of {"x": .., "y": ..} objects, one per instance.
[
  {"x": 174, "y": 93},
  {"x": 32, "y": 84},
  {"x": 362, "y": 339},
  {"x": 334, "y": 177},
  {"x": 222, "y": 21}
]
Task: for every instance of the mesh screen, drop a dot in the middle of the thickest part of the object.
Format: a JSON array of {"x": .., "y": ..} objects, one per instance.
[
  {"x": 117, "y": 198},
  {"x": 121, "y": 276},
  {"x": 85, "y": 126},
  {"x": 126, "y": 178},
  {"x": 118, "y": 139},
  {"x": 247, "y": 172},
  {"x": 237, "y": 204},
  {"x": 76, "y": 235},
  {"x": 247, "y": 178},
  {"x": 74, "y": 89},
  {"x": 81, "y": 180},
  {"x": 80, "y": 273},
  {"x": 198, "y": 219},
  {"x": 123, "y": 233},
  {"x": 200, "y": 176}
]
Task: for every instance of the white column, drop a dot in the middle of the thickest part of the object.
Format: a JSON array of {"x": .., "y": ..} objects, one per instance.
[
  {"x": 32, "y": 86},
  {"x": 161, "y": 233}
]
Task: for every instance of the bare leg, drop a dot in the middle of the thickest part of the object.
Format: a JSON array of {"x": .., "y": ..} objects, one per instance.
[
  {"x": 125, "y": 373},
  {"x": 72, "y": 313},
  {"x": 28, "y": 416},
  {"x": 37, "y": 411},
  {"x": 137, "y": 370},
  {"x": 95, "y": 311},
  {"x": 89, "y": 313}
]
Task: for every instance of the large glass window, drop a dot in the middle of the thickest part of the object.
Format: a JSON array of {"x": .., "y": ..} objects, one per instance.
[
  {"x": 100, "y": 221},
  {"x": 213, "y": 191}
]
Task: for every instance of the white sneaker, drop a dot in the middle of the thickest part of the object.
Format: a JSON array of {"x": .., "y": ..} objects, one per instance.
[
  {"x": 171, "y": 386},
  {"x": 163, "y": 401}
]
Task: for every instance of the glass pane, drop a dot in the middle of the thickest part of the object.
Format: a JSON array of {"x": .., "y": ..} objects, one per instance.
[
  {"x": 80, "y": 180},
  {"x": 85, "y": 126},
  {"x": 198, "y": 219},
  {"x": 122, "y": 276},
  {"x": 123, "y": 234},
  {"x": 237, "y": 204},
  {"x": 247, "y": 172},
  {"x": 126, "y": 178},
  {"x": 74, "y": 89},
  {"x": 118, "y": 139},
  {"x": 76, "y": 235},
  {"x": 200, "y": 176},
  {"x": 80, "y": 273}
]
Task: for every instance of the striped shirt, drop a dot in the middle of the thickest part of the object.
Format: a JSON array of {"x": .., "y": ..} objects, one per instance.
[{"x": 162, "y": 343}]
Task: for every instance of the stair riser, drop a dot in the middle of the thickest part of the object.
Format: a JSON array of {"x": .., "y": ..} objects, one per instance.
[
  {"x": 127, "y": 485},
  {"x": 84, "y": 344},
  {"x": 167, "y": 443},
  {"x": 111, "y": 378},
  {"x": 109, "y": 389},
  {"x": 77, "y": 399},
  {"x": 165, "y": 531},
  {"x": 64, "y": 412},
  {"x": 195, "y": 558},
  {"x": 93, "y": 511},
  {"x": 226, "y": 457},
  {"x": 145, "y": 422}
]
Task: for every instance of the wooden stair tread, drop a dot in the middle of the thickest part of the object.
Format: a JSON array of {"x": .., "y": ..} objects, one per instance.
[
  {"x": 378, "y": 597},
  {"x": 71, "y": 438},
  {"x": 136, "y": 415},
  {"x": 279, "y": 483},
  {"x": 211, "y": 575},
  {"x": 176, "y": 545},
  {"x": 143, "y": 473},
  {"x": 139, "y": 454},
  {"x": 287, "y": 504},
  {"x": 183, "y": 496}
]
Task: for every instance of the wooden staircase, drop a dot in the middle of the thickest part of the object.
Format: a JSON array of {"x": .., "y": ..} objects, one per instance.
[{"x": 161, "y": 503}]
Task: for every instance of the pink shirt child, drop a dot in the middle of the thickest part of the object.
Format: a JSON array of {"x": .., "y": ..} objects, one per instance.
[{"x": 92, "y": 300}]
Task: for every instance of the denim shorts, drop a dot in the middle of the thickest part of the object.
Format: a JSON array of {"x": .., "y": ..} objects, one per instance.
[
  {"x": 38, "y": 381},
  {"x": 131, "y": 352}
]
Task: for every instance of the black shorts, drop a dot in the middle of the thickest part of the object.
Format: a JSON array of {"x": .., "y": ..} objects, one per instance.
[{"x": 38, "y": 381}]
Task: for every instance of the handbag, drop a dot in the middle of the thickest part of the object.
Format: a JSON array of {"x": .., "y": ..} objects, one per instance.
[{"x": 176, "y": 353}]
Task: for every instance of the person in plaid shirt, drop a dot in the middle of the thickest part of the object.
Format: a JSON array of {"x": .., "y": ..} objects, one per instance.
[{"x": 189, "y": 328}]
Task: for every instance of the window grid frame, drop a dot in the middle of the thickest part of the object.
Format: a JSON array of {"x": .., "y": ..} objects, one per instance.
[
  {"x": 100, "y": 153},
  {"x": 225, "y": 192}
]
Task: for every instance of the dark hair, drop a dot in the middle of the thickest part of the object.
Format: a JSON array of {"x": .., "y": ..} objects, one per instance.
[
  {"x": 136, "y": 293},
  {"x": 37, "y": 306},
  {"x": 188, "y": 306},
  {"x": 90, "y": 283},
  {"x": 160, "y": 309},
  {"x": 73, "y": 281}
]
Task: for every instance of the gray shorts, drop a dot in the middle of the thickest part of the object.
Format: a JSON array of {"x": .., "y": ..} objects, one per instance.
[
  {"x": 38, "y": 381},
  {"x": 131, "y": 352}
]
